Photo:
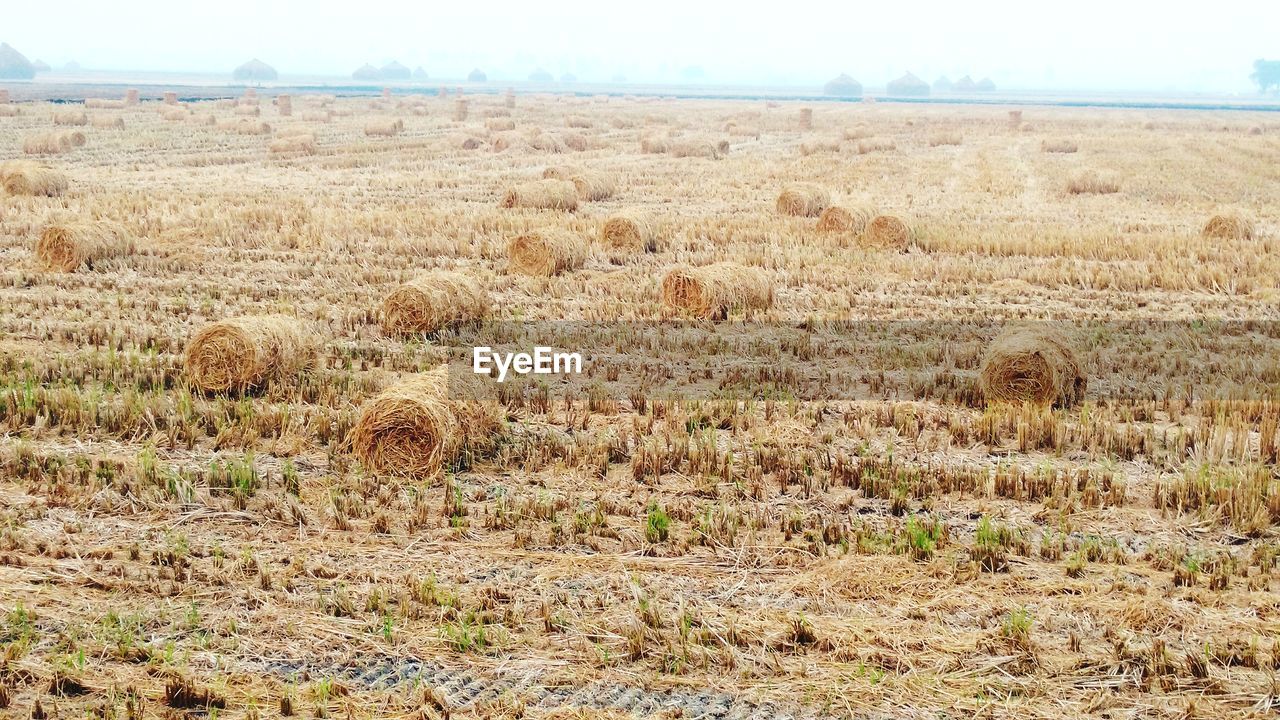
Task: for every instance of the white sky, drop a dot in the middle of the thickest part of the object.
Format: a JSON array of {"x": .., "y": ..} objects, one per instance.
[{"x": 1085, "y": 44}]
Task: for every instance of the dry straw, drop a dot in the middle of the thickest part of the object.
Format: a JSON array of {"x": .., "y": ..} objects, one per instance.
[
  {"x": 70, "y": 117},
  {"x": 461, "y": 108},
  {"x": 630, "y": 230},
  {"x": 806, "y": 118},
  {"x": 10, "y": 110},
  {"x": 65, "y": 247},
  {"x": 284, "y": 105},
  {"x": 542, "y": 195},
  {"x": 546, "y": 252},
  {"x": 655, "y": 145},
  {"x": 52, "y": 143},
  {"x": 1058, "y": 146},
  {"x": 1091, "y": 183},
  {"x": 108, "y": 122},
  {"x": 304, "y": 144},
  {"x": 415, "y": 427},
  {"x": 837, "y": 219},
  {"x": 248, "y": 353},
  {"x": 594, "y": 184},
  {"x": 104, "y": 104},
  {"x": 700, "y": 147},
  {"x": 322, "y": 116},
  {"x": 24, "y": 177},
  {"x": 171, "y": 98},
  {"x": 712, "y": 291},
  {"x": 383, "y": 128},
  {"x": 1229, "y": 226},
  {"x": 1032, "y": 365},
  {"x": 433, "y": 301},
  {"x": 132, "y": 96},
  {"x": 4, "y": 96},
  {"x": 803, "y": 200},
  {"x": 888, "y": 231},
  {"x": 244, "y": 126}
]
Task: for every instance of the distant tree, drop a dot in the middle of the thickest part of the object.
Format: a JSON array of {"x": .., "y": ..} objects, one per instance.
[{"x": 1266, "y": 73}]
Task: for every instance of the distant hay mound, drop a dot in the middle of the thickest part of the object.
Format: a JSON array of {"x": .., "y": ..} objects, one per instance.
[
  {"x": 24, "y": 177},
  {"x": 433, "y": 301},
  {"x": 52, "y": 143},
  {"x": 1091, "y": 183},
  {"x": 542, "y": 195},
  {"x": 304, "y": 144},
  {"x": 1232, "y": 226},
  {"x": 1032, "y": 365},
  {"x": 322, "y": 116},
  {"x": 416, "y": 427},
  {"x": 699, "y": 147},
  {"x": 577, "y": 121},
  {"x": 108, "y": 122},
  {"x": 548, "y": 143},
  {"x": 803, "y": 200},
  {"x": 820, "y": 145},
  {"x": 499, "y": 124},
  {"x": 132, "y": 96},
  {"x": 629, "y": 230},
  {"x": 170, "y": 98},
  {"x": 655, "y": 145},
  {"x": 945, "y": 138},
  {"x": 461, "y": 109},
  {"x": 248, "y": 353},
  {"x": 711, "y": 292},
  {"x": 9, "y": 110},
  {"x": 176, "y": 115},
  {"x": 546, "y": 252},
  {"x": 888, "y": 231},
  {"x": 871, "y": 145},
  {"x": 594, "y": 185},
  {"x": 837, "y": 219},
  {"x": 70, "y": 117},
  {"x": 104, "y": 104},
  {"x": 244, "y": 126},
  {"x": 383, "y": 128},
  {"x": 576, "y": 141},
  {"x": 1058, "y": 146},
  {"x": 806, "y": 118},
  {"x": 284, "y": 105},
  {"x": 65, "y": 247},
  {"x": 247, "y": 110}
]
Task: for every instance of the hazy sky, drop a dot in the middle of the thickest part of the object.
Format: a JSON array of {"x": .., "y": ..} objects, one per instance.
[{"x": 1086, "y": 44}]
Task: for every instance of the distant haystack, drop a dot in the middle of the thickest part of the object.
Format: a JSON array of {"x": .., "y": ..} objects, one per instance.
[
  {"x": 986, "y": 85},
  {"x": 908, "y": 85},
  {"x": 395, "y": 71},
  {"x": 14, "y": 65},
  {"x": 540, "y": 76},
  {"x": 943, "y": 84},
  {"x": 568, "y": 78},
  {"x": 842, "y": 86},
  {"x": 366, "y": 72},
  {"x": 255, "y": 71},
  {"x": 965, "y": 84},
  {"x": 419, "y": 73},
  {"x": 477, "y": 76}
]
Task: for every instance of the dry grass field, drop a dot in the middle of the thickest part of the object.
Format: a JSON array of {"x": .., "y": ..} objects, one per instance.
[{"x": 862, "y": 535}]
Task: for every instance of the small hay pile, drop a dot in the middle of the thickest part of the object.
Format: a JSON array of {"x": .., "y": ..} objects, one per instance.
[
  {"x": 65, "y": 247},
  {"x": 417, "y": 426},
  {"x": 1058, "y": 146},
  {"x": 888, "y": 231},
  {"x": 24, "y": 177},
  {"x": 1231, "y": 226},
  {"x": 433, "y": 301},
  {"x": 171, "y": 98},
  {"x": 594, "y": 185},
  {"x": 70, "y": 117},
  {"x": 1092, "y": 183},
  {"x": 629, "y": 230},
  {"x": 176, "y": 115},
  {"x": 803, "y": 200},
  {"x": 546, "y": 252},
  {"x": 806, "y": 118},
  {"x": 542, "y": 195},
  {"x": 383, "y": 128},
  {"x": 1032, "y": 365},
  {"x": 244, "y": 126},
  {"x": 655, "y": 145},
  {"x": 837, "y": 219},
  {"x": 699, "y": 147},
  {"x": 712, "y": 291},
  {"x": 322, "y": 116},
  {"x": 108, "y": 122},
  {"x": 104, "y": 104},
  {"x": 52, "y": 143},
  {"x": 499, "y": 124},
  {"x": 248, "y": 353},
  {"x": 247, "y": 110},
  {"x": 303, "y": 144}
]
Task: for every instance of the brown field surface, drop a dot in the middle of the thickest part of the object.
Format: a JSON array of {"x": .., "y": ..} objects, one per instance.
[{"x": 851, "y": 533}]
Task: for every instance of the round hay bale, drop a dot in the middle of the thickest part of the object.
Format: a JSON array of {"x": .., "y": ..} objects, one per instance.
[
  {"x": 433, "y": 301},
  {"x": 66, "y": 246},
  {"x": 1230, "y": 226},
  {"x": 383, "y": 128},
  {"x": 803, "y": 200},
  {"x": 303, "y": 144},
  {"x": 51, "y": 143},
  {"x": 655, "y": 145},
  {"x": 630, "y": 230},
  {"x": 542, "y": 195},
  {"x": 546, "y": 252},
  {"x": 594, "y": 185},
  {"x": 699, "y": 147},
  {"x": 415, "y": 427},
  {"x": 23, "y": 177},
  {"x": 70, "y": 117},
  {"x": 712, "y": 291},
  {"x": 108, "y": 122},
  {"x": 888, "y": 231},
  {"x": 1032, "y": 365},
  {"x": 844, "y": 220},
  {"x": 248, "y": 353}
]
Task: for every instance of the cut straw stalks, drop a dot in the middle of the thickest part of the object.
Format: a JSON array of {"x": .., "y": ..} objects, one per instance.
[
  {"x": 65, "y": 247},
  {"x": 416, "y": 427},
  {"x": 24, "y": 177},
  {"x": 711, "y": 292},
  {"x": 630, "y": 230},
  {"x": 432, "y": 302},
  {"x": 542, "y": 195},
  {"x": 249, "y": 353},
  {"x": 1032, "y": 365},
  {"x": 803, "y": 200},
  {"x": 546, "y": 252}
]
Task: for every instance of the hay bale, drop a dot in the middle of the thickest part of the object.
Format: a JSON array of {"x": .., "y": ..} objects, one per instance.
[
  {"x": 64, "y": 247},
  {"x": 630, "y": 230},
  {"x": 4, "y": 96},
  {"x": 108, "y": 122},
  {"x": 171, "y": 98},
  {"x": 417, "y": 426},
  {"x": 284, "y": 105},
  {"x": 546, "y": 252},
  {"x": 699, "y": 147},
  {"x": 1229, "y": 226},
  {"x": 655, "y": 145},
  {"x": 70, "y": 117},
  {"x": 248, "y": 353},
  {"x": 248, "y": 110},
  {"x": 1032, "y": 365},
  {"x": 322, "y": 116},
  {"x": 9, "y": 110},
  {"x": 461, "y": 109},
  {"x": 499, "y": 124},
  {"x": 383, "y": 128},
  {"x": 176, "y": 115},
  {"x": 244, "y": 126},
  {"x": 303, "y": 144},
  {"x": 1058, "y": 146},
  {"x": 132, "y": 96},
  {"x": 542, "y": 195},
  {"x": 547, "y": 143},
  {"x": 888, "y": 231},
  {"x": 576, "y": 141},
  {"x": 594, "y": 185},
  {"x": 712, "y": 291},
  {"x": 103, "y": 104},
  {"x": 806, "y": 118},
  {"x": 837, "y": 219},
  {"x": 433, "y": 301},
  {"x": 23, "y": 177},
  {"x": 1090, "y": 182},
  {"x": 803, "y": 200},
  {"x": 52, "y": 143}
]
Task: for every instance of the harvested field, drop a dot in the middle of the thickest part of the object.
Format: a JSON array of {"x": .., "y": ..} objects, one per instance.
[{"x": 792, "y": 488}]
